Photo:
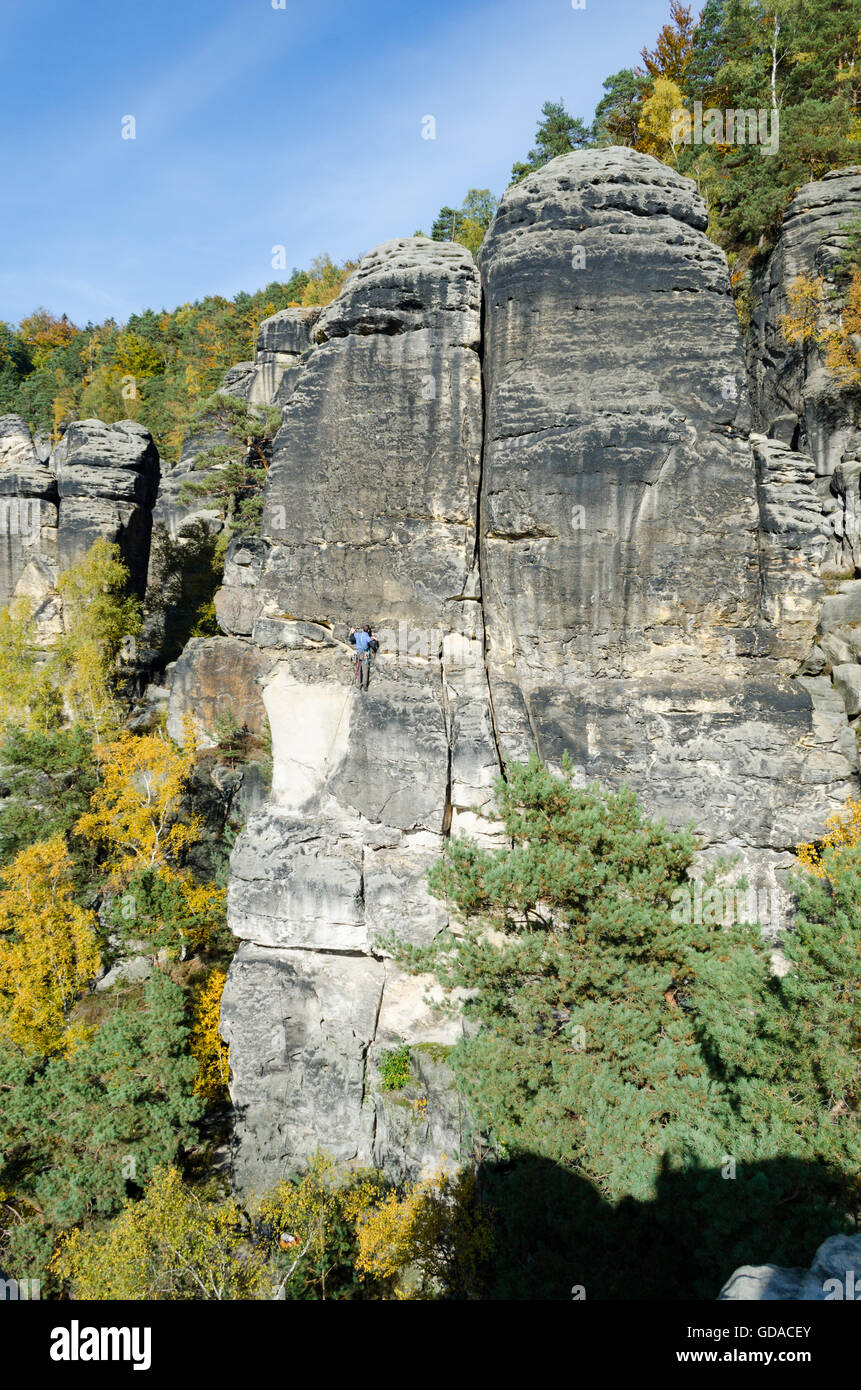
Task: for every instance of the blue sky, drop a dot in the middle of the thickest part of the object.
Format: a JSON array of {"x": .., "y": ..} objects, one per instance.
[{"x": 258, "y": 127}]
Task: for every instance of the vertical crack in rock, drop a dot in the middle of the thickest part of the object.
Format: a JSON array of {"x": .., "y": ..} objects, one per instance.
[
  {"x": 478, "y": 562},
  {"x": 369, "y": 515},
  {"x": 650, "y": 630},
  {"x": 580, "y": 484},
  {"x": 447, "y": 809}
]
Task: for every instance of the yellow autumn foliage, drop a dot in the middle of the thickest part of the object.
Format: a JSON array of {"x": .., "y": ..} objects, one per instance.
[
  {"x": 434, "y": 1237},
  {"x": 807, "y": 322},
  {"x": 801, "y": 323},
  {"x": 27, "y": 698},
  {"x": 206, "y": 1043},
  {"x": 842, "y": 349},
  {"x": 135, "y": 809},
  {"x": 48, "y": 949},
  {"x": 172, "y": 1244},
  {"x": 658, "y": 135},
  {"x": 310, "y": 1212},
  {"x": 98, "y": 617},
  {"x": 843, "y": 832}
]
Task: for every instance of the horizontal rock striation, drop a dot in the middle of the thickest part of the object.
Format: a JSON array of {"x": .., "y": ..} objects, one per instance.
[
  {"x": 99, "y": 480},
  {"x": 369, "y": 514},
  {"x": 650, "y": 580},
  {"x": 794, "y": 399},
  {"x": 107, "y": 479},
  {"x": 567, "y": 541}
]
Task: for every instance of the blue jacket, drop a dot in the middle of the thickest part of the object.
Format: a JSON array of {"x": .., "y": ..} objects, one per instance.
[{"x": 361, "y": 641}]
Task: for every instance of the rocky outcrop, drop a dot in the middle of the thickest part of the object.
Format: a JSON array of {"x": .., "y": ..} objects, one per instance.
[
  {"x": 834, "y": 1275},
  {"x": 107, "y": 479},
  {"x": 282, "y": 341},
  {"x": 595, "y": 559},
  {"x": 100, "y": 480},
  {"x": 370, "y": 511},
  {"x": 173, "y": 510},
  {"x": 215, "y": 680},
  {"x": 794, "y": 398},
  {"x": 28, "y": 512},
  {"x": 797, "y": 401},
  {"x": 635, "y": 547}
]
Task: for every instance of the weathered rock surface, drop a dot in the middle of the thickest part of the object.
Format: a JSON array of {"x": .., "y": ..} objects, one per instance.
[
  {"x": 370, "y": 512},
  {"x": 797, "y": 401},
  {"x": 604, "y": 563},
  {"x": 835, "y": 1274},
  {"x": 282, "y": 341},
  {"x": 794, "y": 400},
  {"x": 635, "y": 547},
  {"x": 100, "y": 480},
  {"x": 28, "y": 507},
  {"x": 215, "y": 681},
  {"x": 173, "y": 509},
  {"x": 107, "y": 479}
]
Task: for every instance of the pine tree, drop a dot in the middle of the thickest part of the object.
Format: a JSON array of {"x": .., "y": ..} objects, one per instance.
[
  {"x": 617, "y": 114},
  {"x": 236, "y": 469},
  {"x": 78, "y": 1133},
  {"x": 48, "y": 779},
  {"x": 558, "y": 133},
  {"x": 650, "y": 1097},
  {"x": 583, "y": 1057}
]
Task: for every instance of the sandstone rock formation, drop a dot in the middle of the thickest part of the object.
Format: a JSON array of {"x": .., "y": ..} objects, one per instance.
[
  {"x": 370, "y": 512},
  {"x": 794, "y": 399},
  {"x": 634, "y": 545},
  {"x": 28, "y": 510},
  {"x": 107, "y": 478},
  {"x": 282, "y": 341},
  {"x": 100, "y": 480},
  {"x": 834, "y": 1275},
  {"x": 600, "y": 561},
  {"x": 797, "y": 402},
  {"x": 172, "y": 510},
  {"x": 213, "y": 678}
]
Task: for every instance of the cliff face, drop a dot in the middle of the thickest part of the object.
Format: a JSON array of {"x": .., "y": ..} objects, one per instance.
[
  {"x": 370, "y": 512},
  {"x": 537, "y": 480},
  {"x": 797, "y": 403},
  {"x": 634, "y": 566},
  {"x": 99, "y": 480},
  {"x": 599, "y": 558},
  {"x": 794, "y": 399}
]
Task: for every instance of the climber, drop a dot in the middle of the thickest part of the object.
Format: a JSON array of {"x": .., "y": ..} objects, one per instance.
[{"x": 366, "y": 645}]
